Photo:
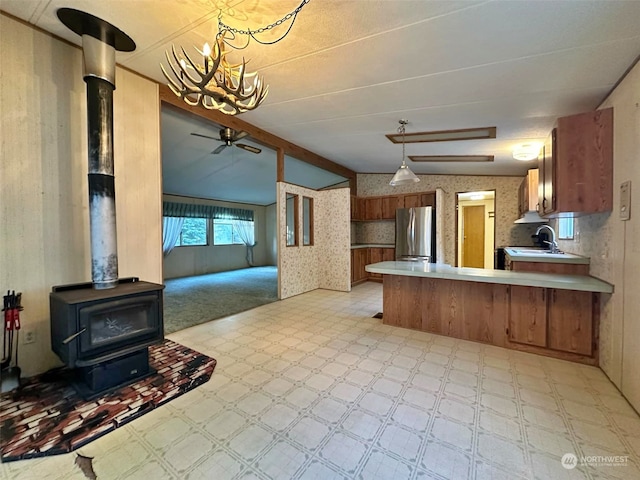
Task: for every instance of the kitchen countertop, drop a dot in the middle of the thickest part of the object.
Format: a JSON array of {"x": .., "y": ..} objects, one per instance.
[
  {"x": 529, "y": 279},
  {"x": 371, "y": 245},
  {"x": 529, "y": 256}
]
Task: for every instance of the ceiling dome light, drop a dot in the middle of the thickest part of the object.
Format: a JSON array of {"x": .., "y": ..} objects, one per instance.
[{"x": 526, "y": 151}]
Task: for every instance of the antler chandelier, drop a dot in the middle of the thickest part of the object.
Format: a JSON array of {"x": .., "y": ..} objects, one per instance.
[{"x": 217, "y": 84}]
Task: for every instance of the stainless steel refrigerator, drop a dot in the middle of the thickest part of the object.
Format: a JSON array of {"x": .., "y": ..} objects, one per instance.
[{"x": 415, "y": 234}]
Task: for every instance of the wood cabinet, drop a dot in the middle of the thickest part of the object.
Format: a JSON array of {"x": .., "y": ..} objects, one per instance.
[
  {"x": 528, "y": 193},
  {"x": 372, "y": 208},
  {"x": 561, "y": 320},
  {"x": 359, "y": 259},
  {"x": 546, "y": 321},
  {"x": 384, "y": 208},
  {"x": 576, "y": 169},
  {"x": 380, "y": 254},
  {"x": 571, "y": 321},
  {"x": 528, "y": 315},
  {"x": 390, "y": 205},
  {"x": 375, "y": 256},
  {"x": 356, "y": 208},
  {"x": 419, "y": 200}
]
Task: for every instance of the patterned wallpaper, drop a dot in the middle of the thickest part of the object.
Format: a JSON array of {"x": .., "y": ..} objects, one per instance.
[
  {"x": 333, "y": 238},
  {"x": 507, "y": 233},
  {"x": 327, "y": 263}
]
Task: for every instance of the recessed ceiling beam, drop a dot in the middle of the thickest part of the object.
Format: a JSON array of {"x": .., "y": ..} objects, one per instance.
[
  {"x": 451, "y": 158},
  {"x": 444, "y": 135}
]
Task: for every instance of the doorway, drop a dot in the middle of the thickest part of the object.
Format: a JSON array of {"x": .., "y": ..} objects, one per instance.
[{"x": 475, "y": 231}]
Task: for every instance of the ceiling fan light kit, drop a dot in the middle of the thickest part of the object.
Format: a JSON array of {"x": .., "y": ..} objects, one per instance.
[
  {"x": 404, "y": 175},
  {"x": 217, "y": 84}
]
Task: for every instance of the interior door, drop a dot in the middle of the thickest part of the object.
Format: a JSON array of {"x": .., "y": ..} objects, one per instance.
[{"x": 473, "y": 236}]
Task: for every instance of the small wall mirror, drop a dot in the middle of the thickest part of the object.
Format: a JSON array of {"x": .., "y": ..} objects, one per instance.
[
  {"x": 476, "y": 229},
  {"x": 292, "y": 220},
  {"x": 307, "y": 221}
]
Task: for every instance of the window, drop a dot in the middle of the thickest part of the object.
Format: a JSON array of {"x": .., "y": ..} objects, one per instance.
[
  {"x": 565, "y": 228},
  {"x": 194, "y": 232},
  {"x": 225, "y": 234},
  {"x": 292, "y": 220},
  {"x": 307, "y": 221}
]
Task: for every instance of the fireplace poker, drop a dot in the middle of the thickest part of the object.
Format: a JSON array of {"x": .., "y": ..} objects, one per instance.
[
  {"x": 6, "y": 350},
  {"x": 11, "y": 373}
]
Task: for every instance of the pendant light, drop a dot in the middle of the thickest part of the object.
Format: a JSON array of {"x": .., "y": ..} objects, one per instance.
[{"x": 404, "y": 176}]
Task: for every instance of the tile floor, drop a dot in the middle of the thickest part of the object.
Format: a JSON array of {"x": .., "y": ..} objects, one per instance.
[{"x": 313, "y": 387}]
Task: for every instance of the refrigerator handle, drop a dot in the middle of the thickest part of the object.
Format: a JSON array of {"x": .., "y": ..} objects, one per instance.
[{"x": 411, "y": 232}]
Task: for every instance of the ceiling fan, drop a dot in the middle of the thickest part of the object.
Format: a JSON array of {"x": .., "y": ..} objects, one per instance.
[{"x": 228, "y": 137}]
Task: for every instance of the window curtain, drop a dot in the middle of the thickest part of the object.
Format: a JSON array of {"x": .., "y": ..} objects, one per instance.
[
  {"x": 171, "y": 228},
  {"x": 172, "y": 209},
  {"x": 246, "y": 232}
]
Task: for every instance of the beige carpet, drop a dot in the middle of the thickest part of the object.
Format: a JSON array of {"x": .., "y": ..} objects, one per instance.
[{"x": 194, "y": 300}]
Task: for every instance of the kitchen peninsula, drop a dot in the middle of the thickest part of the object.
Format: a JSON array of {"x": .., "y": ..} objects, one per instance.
[{"x": 548, "y": 314}]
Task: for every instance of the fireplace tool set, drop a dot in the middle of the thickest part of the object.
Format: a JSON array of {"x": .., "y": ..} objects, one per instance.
[{"x": 10, "y": 371}]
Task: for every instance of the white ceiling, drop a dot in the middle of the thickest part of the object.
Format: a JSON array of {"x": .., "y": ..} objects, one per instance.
[{"x": 349, "y": 70}]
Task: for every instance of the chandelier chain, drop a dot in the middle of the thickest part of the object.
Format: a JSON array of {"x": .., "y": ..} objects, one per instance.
[{"x": 223, "y": 27}]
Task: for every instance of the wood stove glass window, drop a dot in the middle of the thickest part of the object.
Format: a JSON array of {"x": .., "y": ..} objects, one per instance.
[{"x": 119, "y": 321}]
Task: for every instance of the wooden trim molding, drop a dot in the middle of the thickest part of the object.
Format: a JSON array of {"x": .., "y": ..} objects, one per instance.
[{"x": 261, "y": 136}]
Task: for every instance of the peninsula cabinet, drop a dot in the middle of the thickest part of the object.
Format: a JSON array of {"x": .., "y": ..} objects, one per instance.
[
  {"x": 571, "y": 321},
  {"x": 528, "y": 315},
  {"x": 576, "y": 169},
  {"x": 561, "y": 320},
  {"x": 549, "y": 320}
]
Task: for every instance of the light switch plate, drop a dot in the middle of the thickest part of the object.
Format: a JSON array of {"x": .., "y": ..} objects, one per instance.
[{"x": 625, "y": 200}]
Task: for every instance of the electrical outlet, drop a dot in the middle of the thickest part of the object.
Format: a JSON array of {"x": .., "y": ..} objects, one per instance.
[{"x": 29, "y": 337}]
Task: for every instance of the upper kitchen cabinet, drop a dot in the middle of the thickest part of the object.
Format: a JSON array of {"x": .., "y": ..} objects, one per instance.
[
  {"x": 576, "y": 170},
  {"x": 528, "y": 193},
  {"x": 384, "y": 208},
  {"x": 356, "y": 208}
]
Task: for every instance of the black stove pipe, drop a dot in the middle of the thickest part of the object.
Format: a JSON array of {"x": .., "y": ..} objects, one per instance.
[{"x": 100, "y": 40}]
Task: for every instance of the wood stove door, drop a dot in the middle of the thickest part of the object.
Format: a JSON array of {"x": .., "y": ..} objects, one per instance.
[{"x": 117, "y": 323}]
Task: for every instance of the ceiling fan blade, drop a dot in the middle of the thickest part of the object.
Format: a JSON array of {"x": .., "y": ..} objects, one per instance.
[
  {"x": 205, "y": 136},
  {"x": 248, "y": 148},
  {"x": 219, "y": 149},
  {"x": 240, "y": 135}
]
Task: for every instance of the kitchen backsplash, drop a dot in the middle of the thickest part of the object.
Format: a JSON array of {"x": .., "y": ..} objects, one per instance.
[{"x": 376, "y": 232}]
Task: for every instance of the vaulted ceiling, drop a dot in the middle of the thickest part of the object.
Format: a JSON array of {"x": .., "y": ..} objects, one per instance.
[{"x": 349, "y": 70}]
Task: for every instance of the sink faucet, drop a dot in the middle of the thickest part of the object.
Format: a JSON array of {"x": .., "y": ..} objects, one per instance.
[{"x": 553, "y": 245}]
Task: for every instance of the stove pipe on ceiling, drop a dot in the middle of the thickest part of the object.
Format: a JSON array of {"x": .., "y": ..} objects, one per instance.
[{"x": 100, "y": 40}]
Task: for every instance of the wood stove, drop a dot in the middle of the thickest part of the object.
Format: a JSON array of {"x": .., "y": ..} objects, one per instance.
[
  {"x": 102, "y": 330},
  {"x": 104, "y": 334}
]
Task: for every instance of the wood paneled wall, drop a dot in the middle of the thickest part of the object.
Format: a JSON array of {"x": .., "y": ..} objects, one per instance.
[{"x": 44, "y": 221}]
